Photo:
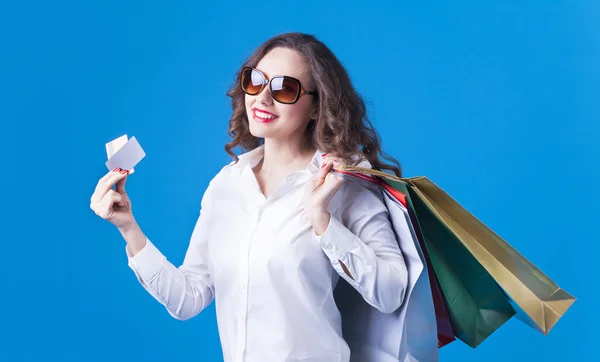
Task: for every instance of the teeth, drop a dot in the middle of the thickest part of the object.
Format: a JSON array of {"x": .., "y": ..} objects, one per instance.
[{"x": 264, "y": 115}]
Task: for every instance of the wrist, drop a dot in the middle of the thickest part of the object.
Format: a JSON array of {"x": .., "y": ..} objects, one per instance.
[
  {"x": 320, "y": 221},
  {"x": 127, "y": 227},
  {"x": 134, "y": 238}
]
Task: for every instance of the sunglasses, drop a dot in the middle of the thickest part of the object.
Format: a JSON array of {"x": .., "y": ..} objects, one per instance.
[{"x": 283, "y": 89}]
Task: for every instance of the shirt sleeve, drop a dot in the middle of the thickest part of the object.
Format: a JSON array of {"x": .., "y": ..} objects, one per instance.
[
  {"x": 185, "y": 290},
  {"x": 360, "y": 235}
]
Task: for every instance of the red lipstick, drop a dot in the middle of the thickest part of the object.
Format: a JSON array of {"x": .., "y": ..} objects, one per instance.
[{"x": 263, "y": 116}]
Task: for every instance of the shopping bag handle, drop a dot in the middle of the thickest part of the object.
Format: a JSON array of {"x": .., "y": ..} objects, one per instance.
[{"x": 368, "y": 171}]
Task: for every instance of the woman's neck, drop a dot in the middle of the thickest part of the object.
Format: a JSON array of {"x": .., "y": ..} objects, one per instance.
[{"x": 286, "y": 157}]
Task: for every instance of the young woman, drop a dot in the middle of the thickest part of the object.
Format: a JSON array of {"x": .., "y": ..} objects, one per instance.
[{"x": 276, "y": 229}]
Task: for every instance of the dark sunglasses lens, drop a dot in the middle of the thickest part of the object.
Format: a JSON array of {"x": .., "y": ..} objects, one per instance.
[
  {"x": 285, "y": 89},
  {"x": 252, "y": 81}
]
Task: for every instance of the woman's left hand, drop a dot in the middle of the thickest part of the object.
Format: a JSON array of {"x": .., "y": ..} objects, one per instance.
[{"x": 319, "y": 193}]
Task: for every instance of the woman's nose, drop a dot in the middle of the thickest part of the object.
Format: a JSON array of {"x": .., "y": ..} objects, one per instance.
[{"x": 265, "y": 96}]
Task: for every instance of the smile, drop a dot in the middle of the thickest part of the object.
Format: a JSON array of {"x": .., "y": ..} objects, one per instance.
[{"x": 263, "y": 116}]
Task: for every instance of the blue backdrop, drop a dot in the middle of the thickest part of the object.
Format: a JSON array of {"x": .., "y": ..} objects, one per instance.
[{"x": 496, "y": 103}]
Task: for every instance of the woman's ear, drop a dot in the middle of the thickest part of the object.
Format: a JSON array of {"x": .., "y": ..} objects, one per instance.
[{"x": 314, "y": 113}]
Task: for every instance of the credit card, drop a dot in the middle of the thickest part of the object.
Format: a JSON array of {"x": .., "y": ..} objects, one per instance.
[{"x": 123, "y": 153}]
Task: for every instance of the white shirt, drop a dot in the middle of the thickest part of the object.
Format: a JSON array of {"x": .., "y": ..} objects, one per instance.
[{"x": 271, "y": 276}]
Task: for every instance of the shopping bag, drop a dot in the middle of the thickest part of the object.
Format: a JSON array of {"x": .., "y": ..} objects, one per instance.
[
  {"x": 474, "y": 302},
  {"x": 477, "y": 305},
  {"x": 445, "y": 334},
  {"x": 444, "y": 325},
  {"x": 537, "y": 300}
]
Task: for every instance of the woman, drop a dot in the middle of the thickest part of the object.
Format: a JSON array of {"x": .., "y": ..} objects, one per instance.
[{"x": 276, "y": 229}]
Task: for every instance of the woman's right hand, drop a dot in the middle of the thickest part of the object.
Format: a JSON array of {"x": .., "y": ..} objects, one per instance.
[{"x": 113, "y": 205}]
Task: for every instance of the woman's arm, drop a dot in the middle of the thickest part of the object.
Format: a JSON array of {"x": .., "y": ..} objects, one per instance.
[
  {"x": 361, "y": 245},
  {"x": 186, "y": 290}
]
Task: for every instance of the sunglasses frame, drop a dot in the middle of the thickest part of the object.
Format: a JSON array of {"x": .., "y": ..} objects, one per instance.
[{"x": 302, "y": 91}]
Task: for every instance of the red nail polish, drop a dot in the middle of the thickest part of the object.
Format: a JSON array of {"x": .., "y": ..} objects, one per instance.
[
  {"x": 115, "y": 169},
  {"x": 323, "y": 165}
]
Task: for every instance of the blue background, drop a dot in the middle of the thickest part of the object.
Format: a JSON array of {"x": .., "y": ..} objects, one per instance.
[{"x": 497, "y": 103}]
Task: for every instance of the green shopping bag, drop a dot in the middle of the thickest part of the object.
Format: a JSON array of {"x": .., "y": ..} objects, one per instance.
[{"x": 477, "y": 306}]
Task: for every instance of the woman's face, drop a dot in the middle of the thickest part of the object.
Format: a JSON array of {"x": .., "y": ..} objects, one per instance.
[{"x": 270, "y": 119}]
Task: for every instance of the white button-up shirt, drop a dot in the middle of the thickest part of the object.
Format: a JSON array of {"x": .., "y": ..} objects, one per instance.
[{"x": 271, "y": 275}]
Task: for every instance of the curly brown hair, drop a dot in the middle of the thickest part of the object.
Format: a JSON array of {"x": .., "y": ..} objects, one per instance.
[{"x": 342, "y": 127}]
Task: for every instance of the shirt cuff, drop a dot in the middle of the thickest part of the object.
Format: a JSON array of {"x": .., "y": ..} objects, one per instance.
[
  {"x": 147, "y": 262},
  {"x": 337, "y": 240}
]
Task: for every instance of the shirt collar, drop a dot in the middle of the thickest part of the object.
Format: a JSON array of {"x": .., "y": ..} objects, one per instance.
[{"x": 253, "y": 157}]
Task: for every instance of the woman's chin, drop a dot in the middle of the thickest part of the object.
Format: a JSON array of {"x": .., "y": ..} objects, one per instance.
[{"x": 260, "y": 132}]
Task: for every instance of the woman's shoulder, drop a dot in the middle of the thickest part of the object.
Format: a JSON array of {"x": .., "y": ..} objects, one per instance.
[
  {"x": 229, "y": 175},
  {"x": 219, "y": 186},
  {"x": 358, "y": 193},
  {"x": 356, "y": 190},
  {"x": 226, "y": 174}
]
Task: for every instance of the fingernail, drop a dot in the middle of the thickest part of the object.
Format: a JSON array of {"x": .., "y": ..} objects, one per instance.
[
  {"x": 123, "y": 171},
  {"x": 115, "y": 169},
  {"x": 324, "y": 155},
  {"x": 323, "y": 165}
]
